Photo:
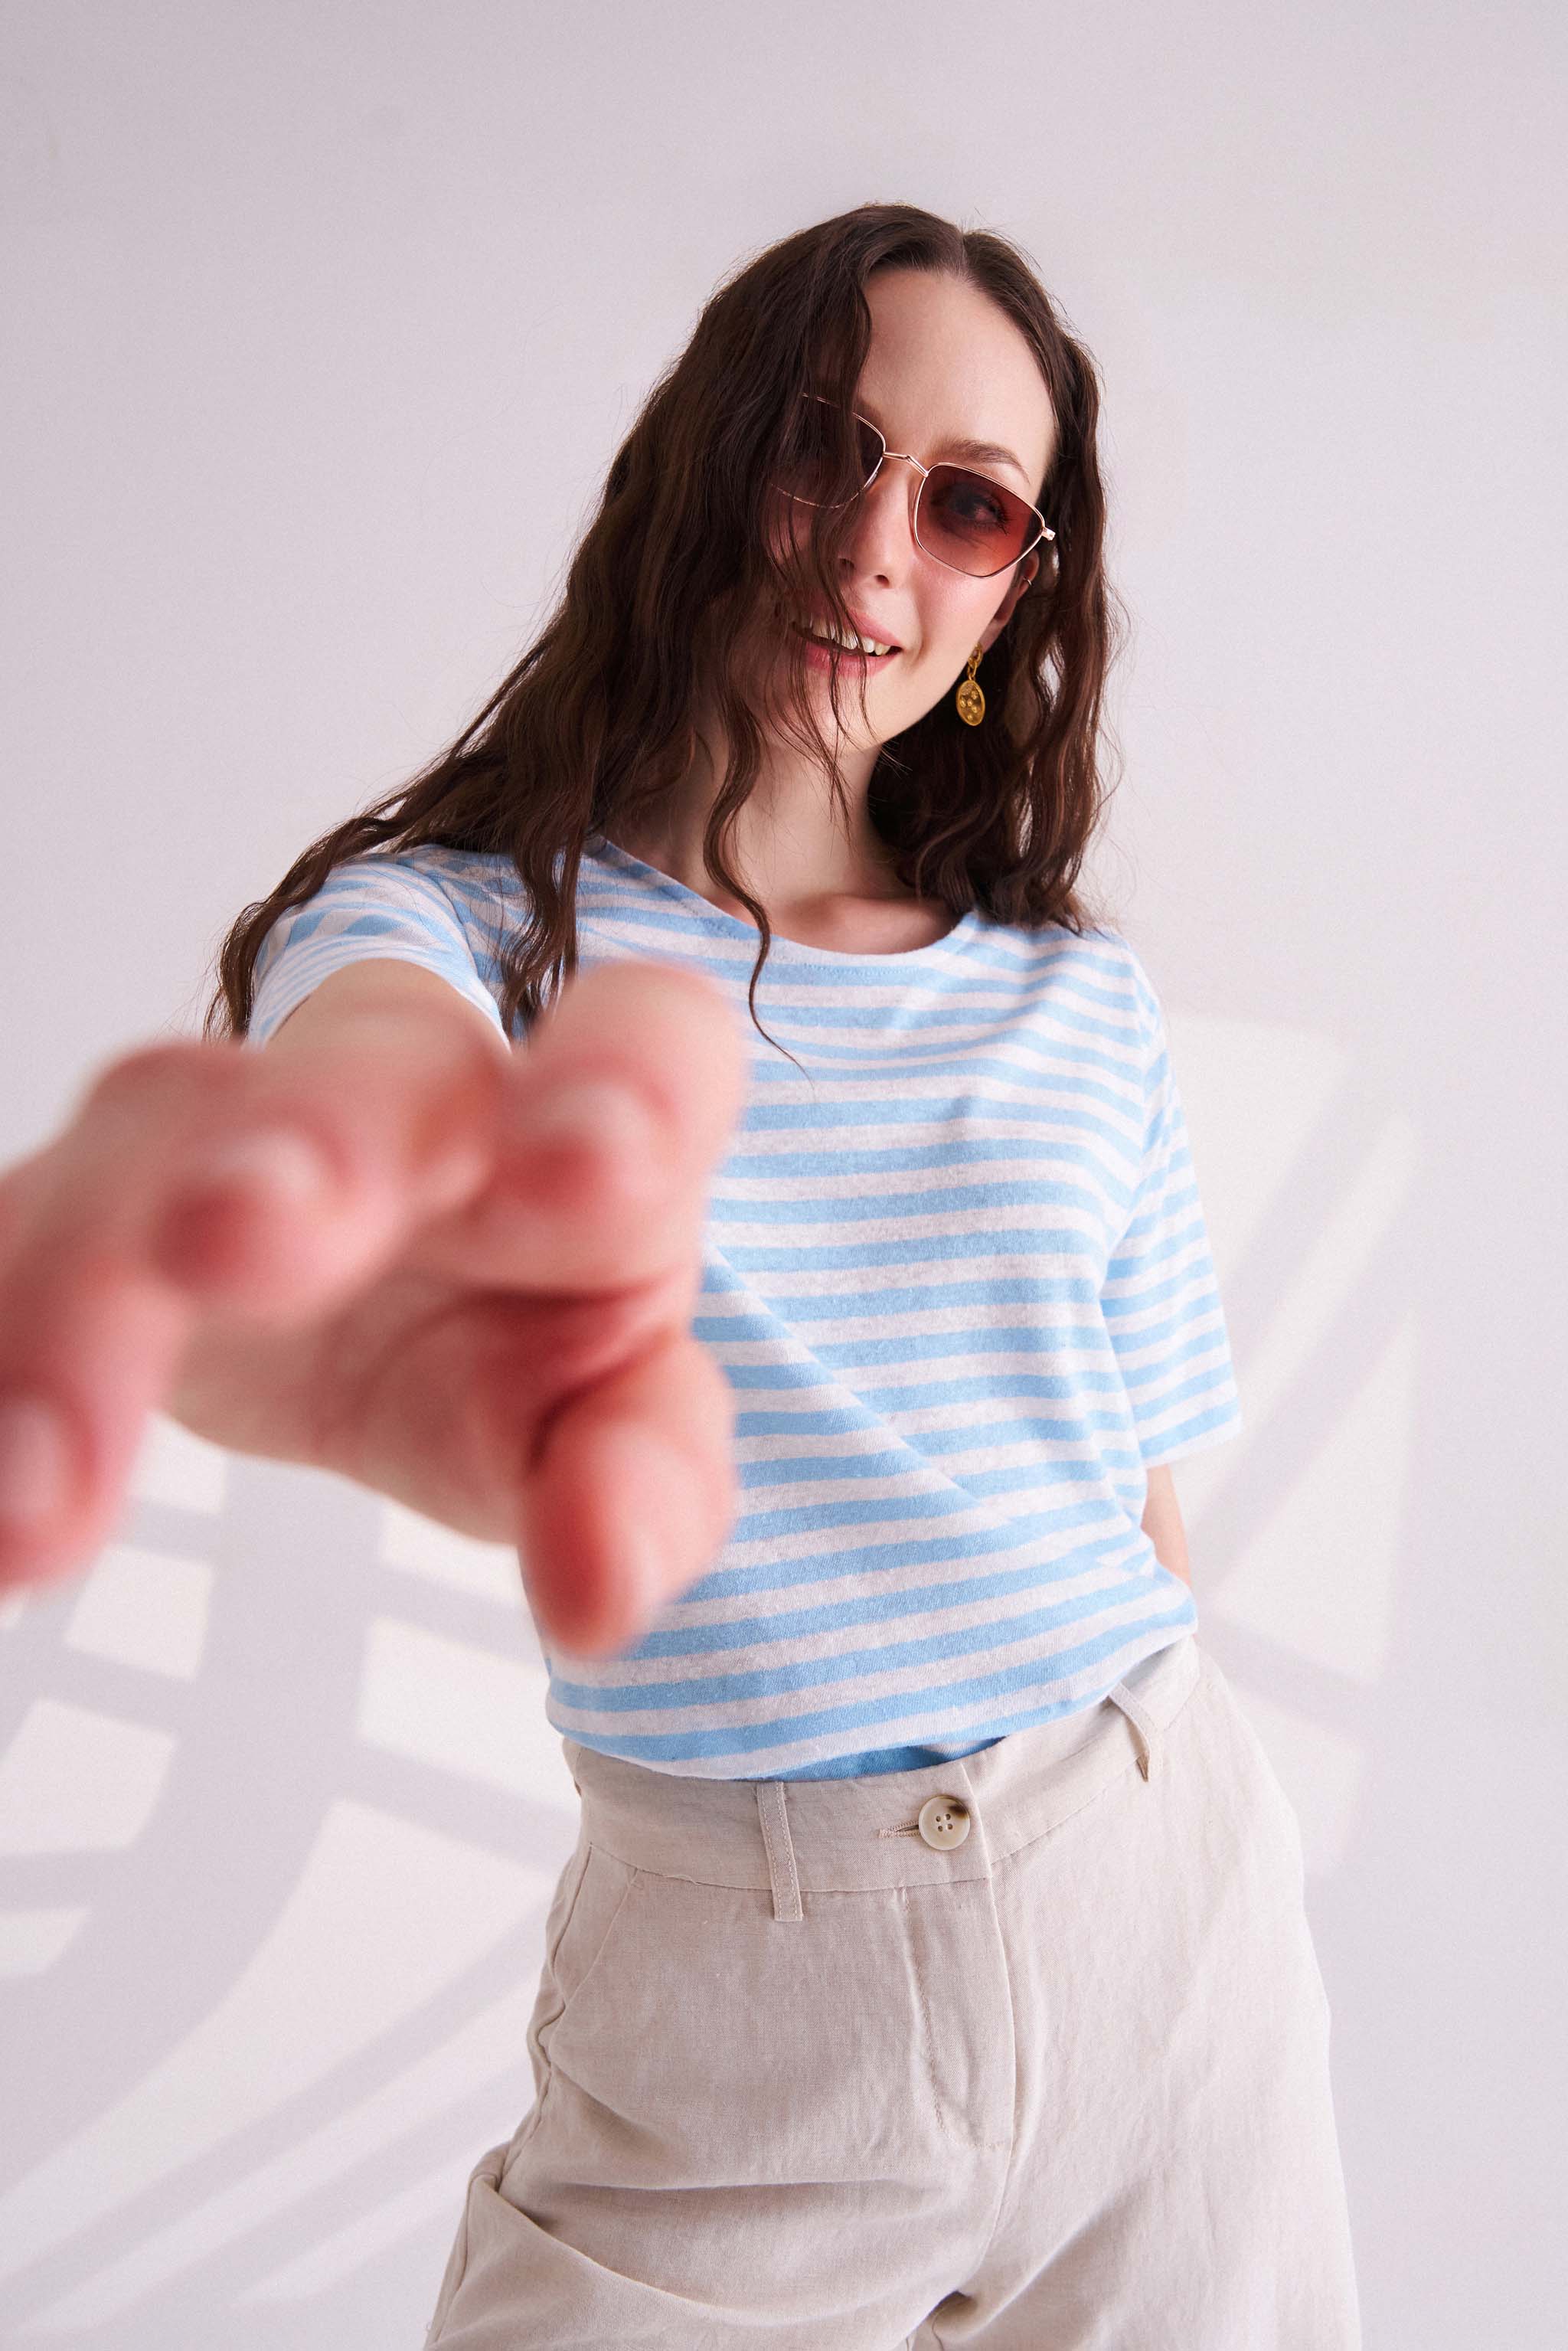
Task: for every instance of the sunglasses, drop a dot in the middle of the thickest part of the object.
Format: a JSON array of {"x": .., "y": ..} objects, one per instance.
[{"x": 962, "y": 519}]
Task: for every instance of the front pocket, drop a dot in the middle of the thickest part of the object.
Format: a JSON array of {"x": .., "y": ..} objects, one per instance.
[
  {"x": 568, "y": 1886},
  {"x": 586, "y": 1903},
  {"x": 602, "y": 1885},
  {"x": 736, "y": 2049}
]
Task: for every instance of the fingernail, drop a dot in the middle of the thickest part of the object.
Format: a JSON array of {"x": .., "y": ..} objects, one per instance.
[
  {"x": 276, "y": 1161},
  {"x": 594, "y": 1111},
  {"x": 35, "y": 1462}
]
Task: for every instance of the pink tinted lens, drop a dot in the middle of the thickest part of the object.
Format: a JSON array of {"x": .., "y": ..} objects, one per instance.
[
  {"x": 972, "y": 523},
  {"x": 830, "y": 456}
]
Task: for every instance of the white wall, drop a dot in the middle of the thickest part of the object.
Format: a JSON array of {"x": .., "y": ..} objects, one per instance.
[{"x": 323, "y": 323}]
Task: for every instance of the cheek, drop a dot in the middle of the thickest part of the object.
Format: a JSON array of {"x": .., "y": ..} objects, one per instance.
[
  {"x": 787, "y": 532},
  {"x": 952, "y": 623},
  {"x": 782, "y": 532}
]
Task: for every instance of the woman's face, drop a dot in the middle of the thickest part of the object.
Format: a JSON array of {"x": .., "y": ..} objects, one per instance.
[{"x": 945, "y": 366}]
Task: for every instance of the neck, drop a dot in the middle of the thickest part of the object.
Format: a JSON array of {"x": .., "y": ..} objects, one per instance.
[{"x": 792, "y": 845}]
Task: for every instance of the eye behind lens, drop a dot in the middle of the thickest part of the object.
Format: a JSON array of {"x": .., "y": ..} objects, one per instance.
[{"x": 972, "y": 522}]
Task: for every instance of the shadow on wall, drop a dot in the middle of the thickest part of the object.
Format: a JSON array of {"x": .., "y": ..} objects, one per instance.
[{"x": 282, "y": 1816}]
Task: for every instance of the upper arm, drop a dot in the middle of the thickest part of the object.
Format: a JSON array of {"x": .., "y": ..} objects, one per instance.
[
  {"x": 1160, "y": 1297},
  {"x": 389, "y": 984},
  {"x": 401, "y": 914}
]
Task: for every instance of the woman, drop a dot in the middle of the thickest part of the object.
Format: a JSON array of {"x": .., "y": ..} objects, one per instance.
[{"x": 932, "y": 1966}]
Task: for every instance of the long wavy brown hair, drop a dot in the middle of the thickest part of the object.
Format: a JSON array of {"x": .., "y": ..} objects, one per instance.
[{"x": 595, "y": 723}]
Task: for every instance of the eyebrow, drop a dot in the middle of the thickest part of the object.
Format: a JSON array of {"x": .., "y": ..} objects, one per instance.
[
  {"x": 979, "y": 452},
  {"x": 987, "y": 453}
]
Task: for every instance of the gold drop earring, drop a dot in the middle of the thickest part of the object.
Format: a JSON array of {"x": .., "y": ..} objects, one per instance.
[{"x": 970, "y": 700}]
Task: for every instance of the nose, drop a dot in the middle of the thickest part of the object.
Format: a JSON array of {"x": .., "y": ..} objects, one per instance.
[{"x": 882, "y": 541}]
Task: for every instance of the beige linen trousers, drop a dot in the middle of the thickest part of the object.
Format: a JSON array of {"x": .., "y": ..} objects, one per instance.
[{"x": 1026, "y": 2051}]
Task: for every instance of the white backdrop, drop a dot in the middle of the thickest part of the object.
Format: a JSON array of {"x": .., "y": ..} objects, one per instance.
[{"x": 323, "y": 325}]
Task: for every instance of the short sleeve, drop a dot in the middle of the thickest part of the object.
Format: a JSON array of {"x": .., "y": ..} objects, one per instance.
[
  {"x": 368, "y": 907},
  {"x": 1161, "y": 1299}
]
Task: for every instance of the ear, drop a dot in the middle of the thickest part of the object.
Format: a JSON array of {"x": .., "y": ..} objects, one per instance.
[{"x": 1004, "y": 611}]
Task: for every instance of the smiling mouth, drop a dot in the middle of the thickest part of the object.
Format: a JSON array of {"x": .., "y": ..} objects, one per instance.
[{"x": 845, "y": 652}]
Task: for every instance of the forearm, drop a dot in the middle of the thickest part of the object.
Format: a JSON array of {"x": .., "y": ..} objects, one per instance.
[{"x": 1162, "y": 1524}]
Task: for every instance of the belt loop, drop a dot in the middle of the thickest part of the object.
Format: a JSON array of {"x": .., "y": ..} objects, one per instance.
[
  {"x": 781, "y": 1849},
  {"x": 1145, "y": 1729}
]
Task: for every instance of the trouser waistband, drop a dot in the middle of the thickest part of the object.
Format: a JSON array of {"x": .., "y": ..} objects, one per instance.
[{"x": 846, "y": 1837}]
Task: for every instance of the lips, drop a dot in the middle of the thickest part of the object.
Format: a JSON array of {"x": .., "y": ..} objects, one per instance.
[
  {"x": 826, "y": 652},
  {"x": 872, "y": 636}
]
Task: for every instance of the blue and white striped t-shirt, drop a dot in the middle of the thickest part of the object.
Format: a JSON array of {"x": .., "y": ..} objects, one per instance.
[{"x": 957, "y": 1271}]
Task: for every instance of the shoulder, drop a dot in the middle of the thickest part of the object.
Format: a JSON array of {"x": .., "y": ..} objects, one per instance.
[
  {"x": 1124, "y": 970},
  {"x": 442, "y": 901},
  {"x": 480, "y": 894},
  {"x": 463, "y": 876},
  {"x": 1116, "y": 955},
  {"x": 1100, "y": 965}
]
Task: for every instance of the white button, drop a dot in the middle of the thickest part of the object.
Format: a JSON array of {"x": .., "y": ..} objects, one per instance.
[{"x": 944, "y": 1820}]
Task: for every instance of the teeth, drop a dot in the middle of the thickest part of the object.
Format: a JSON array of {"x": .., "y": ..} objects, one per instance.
[{"x": 853, "y": 643}]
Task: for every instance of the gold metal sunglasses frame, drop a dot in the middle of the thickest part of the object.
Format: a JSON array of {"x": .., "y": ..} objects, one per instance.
[{"x": 924, "y": 473}]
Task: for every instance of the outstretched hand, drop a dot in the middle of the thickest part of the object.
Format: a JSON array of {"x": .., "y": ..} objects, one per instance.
[{"x": 459, "y": 1272}]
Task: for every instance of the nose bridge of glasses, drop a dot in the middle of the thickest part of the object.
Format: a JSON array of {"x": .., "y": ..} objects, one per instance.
[
  {"x": 905, "y": 458},
  {"x": 914, "y": 484}
]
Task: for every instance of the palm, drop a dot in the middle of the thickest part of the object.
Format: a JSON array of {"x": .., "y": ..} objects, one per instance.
[{"x": 474, "y": 1408}]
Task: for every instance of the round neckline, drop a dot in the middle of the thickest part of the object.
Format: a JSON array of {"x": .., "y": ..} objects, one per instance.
[{"x": 611, "y": 853}]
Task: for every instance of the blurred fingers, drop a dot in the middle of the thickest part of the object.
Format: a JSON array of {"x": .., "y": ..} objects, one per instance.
[{"x": 631, "y": 1495}]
